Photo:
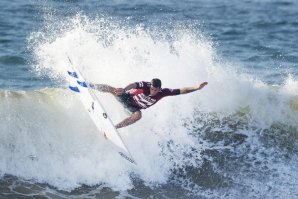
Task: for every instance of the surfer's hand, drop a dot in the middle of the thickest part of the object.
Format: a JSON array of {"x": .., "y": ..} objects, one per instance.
[
  {"x": 202, "y": 85},
  {"x": 118, "y": 91}
]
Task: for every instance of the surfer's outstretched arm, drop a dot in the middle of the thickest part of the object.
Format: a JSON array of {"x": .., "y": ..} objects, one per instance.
[
  {"x": 130, "y": 120},
  {"x": 192, "y": 89}
]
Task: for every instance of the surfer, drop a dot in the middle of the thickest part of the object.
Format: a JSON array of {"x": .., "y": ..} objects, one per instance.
[{"x": 142, "y": 95}]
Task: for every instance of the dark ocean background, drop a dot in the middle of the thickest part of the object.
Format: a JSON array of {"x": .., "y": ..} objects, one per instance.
[{"x": 237, "y": 138}]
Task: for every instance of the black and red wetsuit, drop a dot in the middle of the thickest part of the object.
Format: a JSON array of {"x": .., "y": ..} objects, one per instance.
[{"x": 140, "y": 98}]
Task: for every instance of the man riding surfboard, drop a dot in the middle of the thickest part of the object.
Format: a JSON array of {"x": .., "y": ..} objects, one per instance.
[{"x": 142, "y": 95}]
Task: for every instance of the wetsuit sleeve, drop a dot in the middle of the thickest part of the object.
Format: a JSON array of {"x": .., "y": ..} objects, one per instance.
[{"x": 170, "y": 92}]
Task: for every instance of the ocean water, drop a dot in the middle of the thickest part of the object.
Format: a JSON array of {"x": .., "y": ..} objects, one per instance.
[{"x": 236, "y": 138}]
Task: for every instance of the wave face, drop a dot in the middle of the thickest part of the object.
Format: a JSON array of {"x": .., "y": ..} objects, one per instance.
[
  {"x": 48, "y": 137},
  {"x": 235, "y": 138}
]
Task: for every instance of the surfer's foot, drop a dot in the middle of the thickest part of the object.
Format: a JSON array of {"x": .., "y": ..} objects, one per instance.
[{"x": 91, "y": 85}]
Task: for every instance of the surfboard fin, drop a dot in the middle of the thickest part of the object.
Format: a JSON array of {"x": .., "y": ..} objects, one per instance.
[
  {"x": 74, "y": 88},
  {"x": 72, "y": 74},
  {"x": 83, "y": 84}
]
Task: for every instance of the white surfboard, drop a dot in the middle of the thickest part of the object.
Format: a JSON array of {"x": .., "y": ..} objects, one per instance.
[{"x": 96, "y": 111}]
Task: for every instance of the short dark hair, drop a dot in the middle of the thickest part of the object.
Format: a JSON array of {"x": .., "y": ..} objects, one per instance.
[{"x": 156, "y": 83}]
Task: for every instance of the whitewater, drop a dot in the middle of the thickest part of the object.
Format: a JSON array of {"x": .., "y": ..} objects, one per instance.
[{"x": 235, "y": 138}]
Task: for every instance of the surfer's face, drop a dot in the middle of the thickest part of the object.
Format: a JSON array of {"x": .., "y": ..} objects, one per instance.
[{"x": 154, "y": 90}]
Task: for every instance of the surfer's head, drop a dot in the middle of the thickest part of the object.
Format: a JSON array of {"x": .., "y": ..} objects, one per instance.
[{"x": 155, "y": 86}]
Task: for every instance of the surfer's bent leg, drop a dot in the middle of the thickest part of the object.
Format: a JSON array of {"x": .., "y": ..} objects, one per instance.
[
  {"x": 135, "y": 116},
  {"x": 103, "y": 88}
]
